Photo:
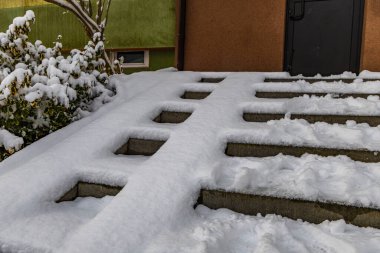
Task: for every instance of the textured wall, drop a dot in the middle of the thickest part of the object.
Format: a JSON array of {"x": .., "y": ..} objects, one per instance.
[
  {"x": 214, "y": 28},
  {"x": 132, "y": 23},
  {"x": 20, "y": 3},
  {"x": 50, "y": 22},
  {"x": 370, "y": 59}
]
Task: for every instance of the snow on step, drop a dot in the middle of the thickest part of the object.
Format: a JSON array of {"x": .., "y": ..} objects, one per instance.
[
  {"x": 312, "y": 118},
  {"x": 316, "y": 105},
  {"x": 154, "y": 212},
  {"x": 287, "y": 94},
  {"x": 357, "y": 86},
  {"x": 311, "y": 211},
  {"x": 316, "y": 80},
  {"x": 267, "y": 150}
]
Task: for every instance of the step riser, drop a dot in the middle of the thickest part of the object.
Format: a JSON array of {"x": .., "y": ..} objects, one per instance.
[
  {"x": 83, "y": 189},
  {"x": 140, "y": 147},
  {"x": 172, "y": 117},
  {"x": 314, "y": 212},
  {"x": 212, "y": 80},
  {"x": 262, "y": 117},
  {"x": 261, "y": 150},
  {"x": 195, "y": 95},
  {"x": 314, "y": 80},
  {"x": 284, "y": 95},
  {"x": 373, "y": 121}
]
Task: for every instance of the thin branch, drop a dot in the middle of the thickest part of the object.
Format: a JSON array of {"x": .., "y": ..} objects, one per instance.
[
  {"x": 100, "y": 12},
  {"x": 86, "y": 6},
  {"x": 79, "y": 10},
  {"x": 81, "y": 2},
  {"x": 109, "y": 63},
  {"x": 89, "y": 8},
  {"x": 85, "y": 16},
  {"x": 68, "y": 6},
  {"x": 106, "y": 17}
]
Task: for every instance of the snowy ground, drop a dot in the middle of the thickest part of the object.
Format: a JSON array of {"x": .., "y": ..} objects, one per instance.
[{"x": 154, "y": 212}]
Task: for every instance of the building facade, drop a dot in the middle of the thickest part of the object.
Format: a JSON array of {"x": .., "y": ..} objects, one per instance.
[
  {"x": 300, "y": 36},
  {"x": 143, "y": 32}
]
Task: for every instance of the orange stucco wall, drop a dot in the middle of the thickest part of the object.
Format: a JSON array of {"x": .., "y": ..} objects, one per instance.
[
  {"x": 370, "y": 58},
  {"x": 215, "y": 27}
]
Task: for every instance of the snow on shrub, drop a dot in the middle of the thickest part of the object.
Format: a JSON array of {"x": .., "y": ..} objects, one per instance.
[
  {"x": 9, "y": 143},
  {"x": 40, "y": 89}
]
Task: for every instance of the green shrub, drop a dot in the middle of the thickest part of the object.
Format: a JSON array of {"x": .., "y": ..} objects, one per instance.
[{"x": 41, "y": 90}]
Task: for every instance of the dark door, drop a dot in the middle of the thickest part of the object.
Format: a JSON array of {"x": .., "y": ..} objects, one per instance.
[{"x": 323, "y": 36}]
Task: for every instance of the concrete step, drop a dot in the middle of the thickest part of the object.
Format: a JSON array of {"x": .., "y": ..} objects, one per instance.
[
  {"x": 83, "y": 189},
  {"x": 212, "y": 80},
  {"x": 268, "y": 150},
  {"x": 143, "y": 147},
  {"x": 172, "y": 117},
  {"x": 314, "y": 80},
  {"x": 373, "y": 121},
  {"x": 195, "y": 95},
  {"x": 314, "y": 212},
  {"x": 287, "y": 94}
]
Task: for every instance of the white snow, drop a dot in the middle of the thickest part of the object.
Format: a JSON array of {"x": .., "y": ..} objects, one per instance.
[
  {"x": 154, "y": 211},
  {"x": 333, "y": 179},
  {"x": 225, "y": 231},
  {"x": 10, "y": 141}
]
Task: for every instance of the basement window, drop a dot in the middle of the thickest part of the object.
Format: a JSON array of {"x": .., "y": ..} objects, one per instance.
[{"x": 133, "y": 59}]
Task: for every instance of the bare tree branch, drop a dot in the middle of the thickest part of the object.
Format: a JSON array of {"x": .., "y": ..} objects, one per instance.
[
  {"x": 68, "y": 6},
  {"x": 84, "y": 13},
  {"x": 86, "y": 6},
  {"x": 89, "y": 8},
  {"x": 99, "y": 15},
  {"x": 106, "y": 17},
  {"x": 81, "y": 2}
]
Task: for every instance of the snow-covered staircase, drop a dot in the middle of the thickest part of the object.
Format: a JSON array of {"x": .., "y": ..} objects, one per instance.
[
  {"x": 174, "y": 143},
  {"x": 311, "y": 211}
]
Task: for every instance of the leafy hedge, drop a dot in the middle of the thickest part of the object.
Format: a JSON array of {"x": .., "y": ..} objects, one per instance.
[{"x": 40, "y": 89}]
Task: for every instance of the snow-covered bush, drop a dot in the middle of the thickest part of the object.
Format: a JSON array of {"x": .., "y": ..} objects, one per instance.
[
  {"x": 40, "y": 89},
  {"x": 9, "y": 143}
]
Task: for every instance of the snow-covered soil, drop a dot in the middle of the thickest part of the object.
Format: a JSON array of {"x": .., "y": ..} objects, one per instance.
[{"x": 154, "y": 212}]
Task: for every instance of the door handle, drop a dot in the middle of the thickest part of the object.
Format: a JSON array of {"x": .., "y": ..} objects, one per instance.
[{"x": 298, "y": 11}]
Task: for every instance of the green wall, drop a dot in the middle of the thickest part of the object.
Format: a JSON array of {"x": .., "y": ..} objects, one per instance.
[
  {"x": 50, "y": 22},
  {"x": 142, "y": 23},
  {"x": 132, "y": 24}
]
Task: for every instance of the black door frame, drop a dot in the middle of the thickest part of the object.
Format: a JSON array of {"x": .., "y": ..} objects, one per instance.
[{"x": 356, "y": 41}]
